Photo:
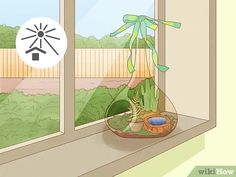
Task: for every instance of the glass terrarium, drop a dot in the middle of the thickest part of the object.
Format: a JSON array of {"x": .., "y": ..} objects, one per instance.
[{"x": 136, "y": 70}]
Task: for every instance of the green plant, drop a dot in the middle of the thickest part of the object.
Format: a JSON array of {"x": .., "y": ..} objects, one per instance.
[
  {"x": 26, "y": 117},
  {"x": 141, "y": 24},
  {"x": 8, "y": 36},
  {"x": 135, "y": 108},
  {"x": 149, "y": 95}
]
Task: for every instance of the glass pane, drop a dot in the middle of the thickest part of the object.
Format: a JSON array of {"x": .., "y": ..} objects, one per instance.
[
  {"x": 29, "y": 98},
  {"x": 101, "y": 59},
  {"x": 96, "y": 19}
]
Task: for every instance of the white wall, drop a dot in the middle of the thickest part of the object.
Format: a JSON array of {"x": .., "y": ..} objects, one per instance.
[{"x": 187, "y": 55}]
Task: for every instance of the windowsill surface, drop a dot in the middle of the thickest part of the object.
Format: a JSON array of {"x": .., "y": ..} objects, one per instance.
[{"x": 90, "y": 153}]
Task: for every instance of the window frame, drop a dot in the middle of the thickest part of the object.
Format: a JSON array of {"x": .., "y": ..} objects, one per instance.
[{"x": 68, "y": 131}]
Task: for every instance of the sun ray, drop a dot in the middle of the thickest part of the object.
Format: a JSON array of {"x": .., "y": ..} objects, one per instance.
[
  {"x": 41, "y": 44},
  {"x": 28, "y": 37},
  {"x": 51, "y": 46},
  {"x": 36, "y": 27},
  {"x": 34, "y": 42},
  {"x": 52, "y": 37},
  {"x": 50, "y": 30},
  {"x": 45, "y": 27},
  {"x": 31, "y": 30}
]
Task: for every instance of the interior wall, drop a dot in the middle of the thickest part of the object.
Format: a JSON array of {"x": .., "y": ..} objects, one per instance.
[{"x": 187, "y": 55}]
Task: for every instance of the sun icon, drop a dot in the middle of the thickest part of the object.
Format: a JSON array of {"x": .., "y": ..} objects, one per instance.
[
  {"x": 41, "y": 42},
  {"x": 41, "y": 35}
]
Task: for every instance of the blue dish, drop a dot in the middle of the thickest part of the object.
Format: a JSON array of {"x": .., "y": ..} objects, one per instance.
[{"x": 157, "y": 121}]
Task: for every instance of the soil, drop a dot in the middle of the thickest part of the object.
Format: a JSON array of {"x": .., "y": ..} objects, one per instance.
[{"x": 34, "y": 86}]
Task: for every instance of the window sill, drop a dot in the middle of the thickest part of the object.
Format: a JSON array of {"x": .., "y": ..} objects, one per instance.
[{"x": 103, "y": 153}]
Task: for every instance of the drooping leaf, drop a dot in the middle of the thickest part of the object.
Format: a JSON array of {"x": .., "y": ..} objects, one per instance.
[
  {"x": 155, "y": 57},
  {"x": 134, "y": 34},
  {"x": 121, "y": 29},
  {"x": 163, "y": 68},
  {"x": 151, "y": 24},
  {"x": 143, "y": 30},
  {"x": 142, "y": 23},
  {"x": 149, "y": 44},
  {"x": 130, "y": 18},
  {"x": 130, "y": 64},
  {"x": 171, "y": 23}
]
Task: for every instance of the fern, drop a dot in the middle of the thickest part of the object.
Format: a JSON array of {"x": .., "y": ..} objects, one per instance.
[{"x": 135, "y": 107}]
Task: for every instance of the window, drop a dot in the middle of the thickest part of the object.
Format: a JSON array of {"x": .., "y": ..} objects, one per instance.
[
  {"x": 104, "y": 17},
  {"x": 100, "y": 59},
  {"x": 94, "y": 71},
  {"x": 29, "y": 98}
]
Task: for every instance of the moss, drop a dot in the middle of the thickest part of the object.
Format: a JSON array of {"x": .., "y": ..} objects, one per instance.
[{"x": 121, "y": 122}]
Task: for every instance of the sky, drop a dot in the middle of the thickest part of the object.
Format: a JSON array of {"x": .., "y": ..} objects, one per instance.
[
  {"x": 101, "y": 17},
  {"x": 17, "y": 12},
  {"x": 93, "y": 17}
]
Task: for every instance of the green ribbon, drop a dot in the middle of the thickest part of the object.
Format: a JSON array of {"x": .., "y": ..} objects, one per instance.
[{"x": 140, "y": 25}]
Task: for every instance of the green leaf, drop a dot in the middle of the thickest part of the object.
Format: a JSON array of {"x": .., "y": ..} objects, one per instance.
[
  {"x": 121, "y": 29},
  {"x": 155, "y": 57},
  {"x": 134, "y": 34},
  {"x": 162, "y": 68},
  {"x": 150, "y": 24},
  {"x": 150, "y": 45},
  {"x": 171, "y": 23},
  {"x": 130, "y": 64},
  {"x": 130, "y": 18},
  {"x": 143, "y": 30}
]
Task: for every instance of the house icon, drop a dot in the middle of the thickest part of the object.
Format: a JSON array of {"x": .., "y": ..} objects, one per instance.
[{"x": 35, "y": 56}]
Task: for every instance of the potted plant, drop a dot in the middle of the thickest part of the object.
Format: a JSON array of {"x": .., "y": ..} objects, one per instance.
[{"x": 144, "y": 119}]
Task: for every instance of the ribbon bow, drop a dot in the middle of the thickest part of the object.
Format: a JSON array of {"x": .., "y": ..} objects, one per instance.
[{"x": 141, "y": 24}]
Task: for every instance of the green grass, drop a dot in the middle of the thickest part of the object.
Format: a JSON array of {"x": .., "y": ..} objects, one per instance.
[
  {"x": 92, "y": 105},
  {"x": 3, "y": 96},
  {"x": 24, "y": 118}
]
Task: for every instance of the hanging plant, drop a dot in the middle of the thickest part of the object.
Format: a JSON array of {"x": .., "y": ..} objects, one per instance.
[{"x": 140, "y": 25}]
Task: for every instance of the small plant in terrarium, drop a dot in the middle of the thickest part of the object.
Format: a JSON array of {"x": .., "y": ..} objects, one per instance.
[{"x": 136, "y": 109}]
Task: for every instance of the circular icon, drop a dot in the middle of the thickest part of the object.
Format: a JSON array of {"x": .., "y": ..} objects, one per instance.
[{"x": 41, "y": 42}]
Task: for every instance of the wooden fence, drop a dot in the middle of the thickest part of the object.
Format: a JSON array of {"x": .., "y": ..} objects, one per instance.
[{"x": 89, "y": 63}]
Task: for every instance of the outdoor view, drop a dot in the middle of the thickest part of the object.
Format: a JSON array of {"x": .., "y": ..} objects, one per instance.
[
  {"x": 115, "y": 60},
  {"x": 96, "y": 19},
  {"x": 101, "y": 71},
  {"x": 29, "y": 98}
]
